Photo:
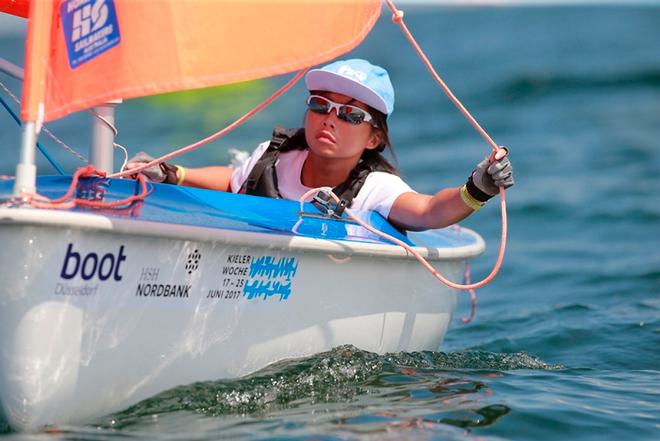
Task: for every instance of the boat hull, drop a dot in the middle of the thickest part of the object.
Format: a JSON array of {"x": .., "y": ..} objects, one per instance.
[{"x": 98, "y": 313}]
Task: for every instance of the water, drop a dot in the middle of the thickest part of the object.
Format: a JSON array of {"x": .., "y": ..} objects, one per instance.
[{"x": 566, "y": 343}]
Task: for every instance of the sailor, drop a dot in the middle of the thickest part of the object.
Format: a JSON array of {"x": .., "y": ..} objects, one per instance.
[{"x": 341, "y": 146}]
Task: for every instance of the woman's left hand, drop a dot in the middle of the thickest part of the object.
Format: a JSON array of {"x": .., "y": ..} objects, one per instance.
[{"x": 493, "y": 173}]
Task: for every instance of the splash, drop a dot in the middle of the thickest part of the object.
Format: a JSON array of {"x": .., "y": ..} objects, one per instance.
[{"x": 347, "y": 374}]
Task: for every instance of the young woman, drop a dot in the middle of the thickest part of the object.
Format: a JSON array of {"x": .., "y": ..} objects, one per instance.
[{"x": 341, "y": 147}]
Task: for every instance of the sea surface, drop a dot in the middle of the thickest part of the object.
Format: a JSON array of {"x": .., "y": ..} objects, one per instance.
[{"x": 566, "y": 341}]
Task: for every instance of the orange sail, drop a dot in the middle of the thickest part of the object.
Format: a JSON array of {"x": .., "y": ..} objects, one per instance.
[{"x": 101, "y": 50}]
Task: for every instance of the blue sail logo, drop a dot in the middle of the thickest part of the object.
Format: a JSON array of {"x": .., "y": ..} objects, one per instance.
[
  {"x": 90, "y": 28},
  {"x": 88, "y": 18},
  {"x": 270, "y": 277}
]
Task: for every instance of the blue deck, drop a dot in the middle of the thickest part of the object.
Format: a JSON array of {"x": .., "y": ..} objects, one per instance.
[{"x": 206, "y": 208}]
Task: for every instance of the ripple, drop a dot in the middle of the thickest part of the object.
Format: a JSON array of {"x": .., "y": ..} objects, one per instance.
[{"x": 531, "y": 84}]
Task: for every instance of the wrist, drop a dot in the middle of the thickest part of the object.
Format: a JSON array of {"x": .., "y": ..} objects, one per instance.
[
  {"x": 469, "y": 200},
  {"x": 475, "y": 192},
  {"x": 181, "y": 175}
]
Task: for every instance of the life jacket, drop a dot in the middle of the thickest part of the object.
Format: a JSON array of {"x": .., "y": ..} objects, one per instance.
[{"x": 262, "y": 180}]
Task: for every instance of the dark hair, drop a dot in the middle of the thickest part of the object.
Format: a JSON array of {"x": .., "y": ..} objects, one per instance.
[{"x": 375, "y": 156}]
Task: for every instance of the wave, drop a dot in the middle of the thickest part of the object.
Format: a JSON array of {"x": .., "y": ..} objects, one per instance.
[{"x": 339, "y": 375}]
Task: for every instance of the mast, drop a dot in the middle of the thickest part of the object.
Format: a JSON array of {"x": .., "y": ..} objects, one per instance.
[
  {"x": 34, "y": 87},
  {"x": 101, "y": 154}
]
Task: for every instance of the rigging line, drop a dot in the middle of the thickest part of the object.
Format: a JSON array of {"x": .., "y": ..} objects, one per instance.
[
  {"x": 64, "y": 146},
  {"x": 39, "y": 146},
  {"x": 473, "y": 295},
  {"x": 217, "y": 134},
  {"x": 464, "y": 287},
  {"x": 11, "y": 69},
  {"x": 397, "y": 18},
  {"x": 45, "y": 129},
  {"x": 105, "y": 121},
  {"x": 125, "y": 150}
]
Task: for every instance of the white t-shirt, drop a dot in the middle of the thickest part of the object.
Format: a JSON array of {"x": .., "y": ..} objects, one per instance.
[{"x": 378, "y": 193}]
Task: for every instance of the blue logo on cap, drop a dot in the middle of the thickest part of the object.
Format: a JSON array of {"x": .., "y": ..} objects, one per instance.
[{"x": 372, "y": 77}]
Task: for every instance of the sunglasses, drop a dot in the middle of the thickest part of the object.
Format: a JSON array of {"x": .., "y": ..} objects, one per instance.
[{"x": 345, "y": 112}]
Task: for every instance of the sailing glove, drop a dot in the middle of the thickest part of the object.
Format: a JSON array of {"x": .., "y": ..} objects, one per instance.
[
  {"x": 490, "y": 174},
  {"x": 163, "y": 172}
]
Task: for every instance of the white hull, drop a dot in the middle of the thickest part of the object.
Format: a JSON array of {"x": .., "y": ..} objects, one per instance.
[{"x": 87, "y": 328}]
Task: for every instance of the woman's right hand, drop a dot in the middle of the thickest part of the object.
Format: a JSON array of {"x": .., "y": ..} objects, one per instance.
[{"x": 163, "y": 172}]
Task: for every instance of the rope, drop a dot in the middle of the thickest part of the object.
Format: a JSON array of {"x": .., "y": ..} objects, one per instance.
[
  {"x": 468, "y": 279},
  {"x": 473, "y": 296},
  {"x": 68, "y": 201},
  {"x": 105, "y": 121},
  {"x": 48, "y": 132},
  {"x": 218, "y": 134},
  {"x": 397, "y": 18},
  {"x": 125, "y": 151},
  {"x": 39, "y": 146},
  {"x": 415, "y": 254}
]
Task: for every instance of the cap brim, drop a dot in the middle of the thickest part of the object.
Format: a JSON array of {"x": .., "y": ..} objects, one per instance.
[{"x": 318, "y": 79}]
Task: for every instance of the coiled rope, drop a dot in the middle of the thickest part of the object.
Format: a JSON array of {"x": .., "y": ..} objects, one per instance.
[{"x": 68, "y": 200}]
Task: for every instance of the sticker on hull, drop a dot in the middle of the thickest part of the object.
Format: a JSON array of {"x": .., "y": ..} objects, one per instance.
[
  {"x": 270, "y": 277},
  {"x": 84, "y": 272},
  {"x": 255, "y": 277},
  {"x": 81, "y": 273}
]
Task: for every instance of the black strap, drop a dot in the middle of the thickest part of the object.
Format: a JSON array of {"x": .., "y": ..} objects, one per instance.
[
  {"x": 347, "y": 190},
  {"x": 255, "y": 184},
  {"x": 262, "y": 180}
]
